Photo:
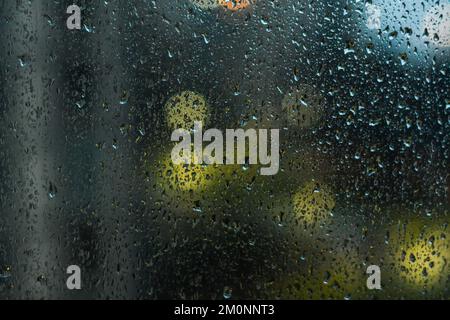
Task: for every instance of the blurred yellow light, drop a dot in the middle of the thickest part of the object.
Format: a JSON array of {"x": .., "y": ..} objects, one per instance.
[
  {"x": 421, "y": 263},
  {"x": 183, "y": 109},
  {"x": 422, "y": 255},
  {"x": 184, "y": 177},
  {"x": 313, "y": 202}
]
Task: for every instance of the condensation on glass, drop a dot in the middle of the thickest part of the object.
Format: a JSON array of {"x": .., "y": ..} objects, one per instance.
[{"x": 359, "y": 90}]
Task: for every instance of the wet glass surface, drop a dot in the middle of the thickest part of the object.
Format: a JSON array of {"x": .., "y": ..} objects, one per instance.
[{"x": 360, "y": 93}]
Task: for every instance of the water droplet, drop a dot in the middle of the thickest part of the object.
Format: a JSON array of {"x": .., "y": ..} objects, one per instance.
[
  {"x": 52, "y": 190},
  {"x": 205, "y": 39},
  {"x": 227, "y": 292},
  {"x": 124, "y": 98},
  {"x": 23, "y": 61}
]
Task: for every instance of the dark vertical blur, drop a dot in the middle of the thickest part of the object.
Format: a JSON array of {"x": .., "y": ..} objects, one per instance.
[
  {"x": 83, "y": 131},
  {"x": 33, "y": 218}
]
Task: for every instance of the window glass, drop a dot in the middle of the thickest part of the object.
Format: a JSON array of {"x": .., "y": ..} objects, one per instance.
[{"x": 338, "y": 187}]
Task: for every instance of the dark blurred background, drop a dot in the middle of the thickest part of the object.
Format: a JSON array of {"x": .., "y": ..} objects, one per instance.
[{"x": 82, "y": 126}]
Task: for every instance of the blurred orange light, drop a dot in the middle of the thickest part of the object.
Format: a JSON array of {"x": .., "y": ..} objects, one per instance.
[{"x": 235, "y": 5}]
